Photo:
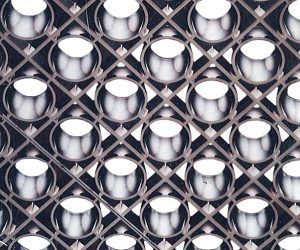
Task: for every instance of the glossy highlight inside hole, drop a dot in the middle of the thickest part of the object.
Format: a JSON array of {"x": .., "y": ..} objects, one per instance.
[
  {"x": 121, "y": 9},
  {"x": 213, "y": 9},
  {"x": 165, "y": 204},
  {"x": 290, "y": 243},
  {"x": 258, "y": 49},
  {"x": 294, "y": 90},
  {"x": 120, "y": 166},
  {"x": 252, "y": 205},
  {"x": 31, "y": 167},
  {"x": 165, "y": 128},
  {"x": 254, "y": 129},
  {"x": 211, "y": 89},
  {"x": 33, "y": 242},
  {"x": 76, "y": 205},
  {"x": 75, "y": 46},
  {"x": 29, "y": 7},
  {"x": 292, "y": 168},
  {"x": 76, "y": 127},
  {"x": 207, "y": 242},
  {"x": 294, "y": 9},
  {"x": 120, "y": 242},
  {"x": 209, "y": 167},
  {"x": 167, "y": 48},
  {"x": 121, "y": 87},
  {"x": 30, "y": 87}
]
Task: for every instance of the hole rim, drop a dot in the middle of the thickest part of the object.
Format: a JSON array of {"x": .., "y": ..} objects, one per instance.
[
  {"x": 63, "y": 44},
  {"x": 49, "y": 90},
  {"x": 256, "y": 42},
  {"x": 236, "y": 25},
  {"x": 147, "y": 49},
  {"x": 284, "y": 238},
  {"x": 139, "y": 167},
  {"x": 231, "y": 91},
  {"x": 168, "y": 122},
  {"x": 276, "y": 185},
  {"x": 51, "y": 246},
  {"x": 285, "y": 14},
  {"x": 190, "y": 242},
  {"x": 53, "y": 142},
  {"x": 237, "y": 51},
  {"x": 227, "y": 167},
  {"x": 184, "y": 129},
  {"x": 47, "y": 28},
  {"x": 282, "y": 93},
  {"x": 50, "y": 169},
  {"x": 142, "y": 8},
  {"x": 141, "y": 90},
  {"x": 138, "y": 245},
  {"x": 232, "y": 226},
  {"x": 154, "y": 47},
  {"x": 235, "y": 130},
  {"x": 94, "y": 50},
  {"x": 56, "y": 206},
  {"x": 147, "y": 203},
  {"x": 244, "y": 129}
]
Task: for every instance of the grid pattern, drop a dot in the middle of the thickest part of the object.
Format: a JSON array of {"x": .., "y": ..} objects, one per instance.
[{"x": 33, "y": 138}]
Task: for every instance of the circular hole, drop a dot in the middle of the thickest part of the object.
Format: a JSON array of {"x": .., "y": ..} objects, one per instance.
[
  {"x": 213, "y": 9},
  {"x": 120, "y": 242},
  {"x": 252, "y": 205},
  {"x": 209, "y": 167},
  {"x": 33, "y": 242},
  {"x": 121, "y": 87},
  {"x": 76, "y": 205},
  {"x": 76, "y": 127},
  {"x": 75, "y": 46},
  {"x": 207, "y": 242},
  {"x": 165, "y": 204},
  {"x": 121, "y": 9},
  {"x": 290, "y": 243},
  {"x": 32, "y": 167},
  {"x": 292, "y": 168},
  {"x": 294, "y": 9},
  {"x": 167, "y": 48},
  {"x": 211, "y": 89},
  {"x": 293, "y": 90},
  {"x": 254, "y": 129},
  {"x": 258, "y": 49},
  {"x": 29, "y": 7},
  {"x": 120, "y": 166},
  {"x": 30, "y": 86},
  {"x": 165, "y": 128}
]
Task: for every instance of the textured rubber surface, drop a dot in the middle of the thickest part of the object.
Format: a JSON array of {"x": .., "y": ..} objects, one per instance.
[{"x": 167, "y": 169}]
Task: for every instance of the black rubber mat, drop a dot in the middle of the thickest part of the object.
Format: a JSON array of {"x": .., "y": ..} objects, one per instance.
[{"x": 200, "y": 152}]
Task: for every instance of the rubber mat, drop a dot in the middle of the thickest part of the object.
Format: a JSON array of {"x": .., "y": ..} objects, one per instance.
[{"x": 158, "y": 124}]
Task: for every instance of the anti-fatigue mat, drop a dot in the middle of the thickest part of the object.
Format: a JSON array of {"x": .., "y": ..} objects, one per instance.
[{"x": 158, "y": 124}]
